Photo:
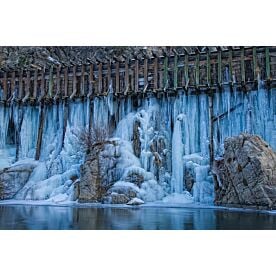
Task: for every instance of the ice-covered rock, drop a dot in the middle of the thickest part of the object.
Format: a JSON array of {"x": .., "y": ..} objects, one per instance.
[
  {"x": 135, "y": 201},
  {"x": 247, "y": 173}
]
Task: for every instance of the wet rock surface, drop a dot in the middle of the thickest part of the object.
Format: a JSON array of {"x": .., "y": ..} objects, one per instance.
[
  {"x": 13, "y": 178},
  {"x": 247, "y": 173}
]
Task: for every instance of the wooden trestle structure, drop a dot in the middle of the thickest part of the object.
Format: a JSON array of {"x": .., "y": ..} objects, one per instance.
[{"x": 197, "y": 71}]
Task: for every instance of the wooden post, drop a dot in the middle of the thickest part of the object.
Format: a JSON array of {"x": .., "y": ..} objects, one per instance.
[
  {"x": 136, "y": 72},
  {"x": 51, "y": 82},
  {"x": 5, "y": 87},
  {"x": 208, "y": 67},
  {"x": 197, "y": 71},
  {"x": 145, "y": 75},
  {"x": 165, "y": 79},
  {"x": 82, "y": 85},
  {"x": 40, "y": 132},
  {"x": 242, "y": 66},
  {"x": 42, "y": 86},
  {"x": 175, "y": 72},
  {"x": 186, "y": 71},
  {"x": 155, "y": 74},
  {"x": 100, "y": 79},
  {"x": 20, "y": 94},
  {"x": 230, "y": 65},
  {"x": 219, "y": 68},
  {"x": 27, "y": 87},
  {"x": 108, "y": 77},
  {"x": 126, "y": 77},
  {"x": 254, "y": 54},
  {"x": 57, "y": 83},
  {"x": 267, "y": 63},
  {"x": 13, "y": 87},
  {"x": 65, "y": 82},
  {"x": 91, "y": 79},
  {"x": 74, "y": 83},
  {"x": 117, "y": 77},
  {"x": 35, "y": 85}
]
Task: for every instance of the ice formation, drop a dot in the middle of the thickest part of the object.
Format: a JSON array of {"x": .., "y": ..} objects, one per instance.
[{"x": 173, "y": 137}]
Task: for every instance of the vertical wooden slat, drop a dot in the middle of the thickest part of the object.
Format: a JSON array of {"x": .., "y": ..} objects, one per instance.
[
  {"x": 175, "y": 72},
  {"x": 27, "y": 87},
  {"x": 165, "y": 78},
  {"x": 108, "y": 76},
  {"x": 145, "y": 75},
  {"x": 35, "y": 85},
  {"x": 100, "y": 79},
  {"x": 197, "y": 71},
  {"x": 255, "y": 73},
  {"x": 65, "y": 82},
  {"x": 267, "y": 63},
  {"x": 242, "y": 65},
  {"x": 230, "y": 61},
  {"x": 91, "y": 79},
  {"x": 186, "y": 70},
  {"x": 13, "y": 85},
  {"x": 155, "y": 74},
  {"x": 208, "y": 67},
  {"x": 57, "y": 94},
  {"x": 136, "y": 73},
  {"x": 219, "y": 68},
  {"x": 74, "y": 83},
  {"x": 82, "y": 85},
  {"x": 117, "y": 77},
  {"x": 126, "y": 77},
  {"x": 20, "y": 94},
  {"x": 5, "y": 87},
  {"x": 51, "y": 82},
  {"x": 42, "y": 85}
]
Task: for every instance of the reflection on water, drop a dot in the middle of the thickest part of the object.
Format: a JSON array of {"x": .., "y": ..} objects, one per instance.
[{"x": 150, "y": 218}]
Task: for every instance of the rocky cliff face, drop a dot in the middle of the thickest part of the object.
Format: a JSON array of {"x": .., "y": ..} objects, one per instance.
[
  {"x": 13, "y": 178},
  {"x": 247, "y": 173}
]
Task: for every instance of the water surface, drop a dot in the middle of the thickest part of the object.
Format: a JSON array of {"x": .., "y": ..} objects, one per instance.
[{"x": 144, "y": 218}]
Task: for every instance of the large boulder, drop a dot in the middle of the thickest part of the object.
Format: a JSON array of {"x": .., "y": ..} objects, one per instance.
[
  {"x": 13, "y": 179},
  {"x": 246, "y": 175},
  {"x": 98, "y": 173}
]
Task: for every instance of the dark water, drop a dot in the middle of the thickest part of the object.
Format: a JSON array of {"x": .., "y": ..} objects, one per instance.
[{"x": 155, "y": 218}]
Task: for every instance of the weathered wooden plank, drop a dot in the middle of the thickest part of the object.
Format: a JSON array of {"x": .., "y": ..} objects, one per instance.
[
  {"x": 255, "y": 73},
  {"x": 165, "y": 73},
  {"x": 219, "y": 68},
  {"x": 74, "y": 83},
  {"x": 117, "y": 78},
  {"x": 58, "y": 90},
  {"x": 175, "y": 72},
  {"x": 186, "y": 71},
  {"x": 242, "y": 65},
  {"x": 27, "y": 87},
  {"x": 82, "y": 84},
  {"x": 100, "y": 78},
  {"x": 65, "y": 82},
  {"x": 34, "y": 96},
  {"x": 5, "y": 87},
  {"x": 267, "y": 63},
  {"x": 145, "y": 75},
  {"x": 91, "y": 80},
  {"x": 155, "y": 74},
  {"x": 109, "y": 79},
  {"x": 13, "y": 86},
  {"x": 20, "y": 88},
  {"x": 51, "y": 82},
  {"x": 126, "y": 77},
  {"x": 208, "y": 68},
  {"x": 136, "y": 73},
  {"x": 42, "y": 86},
  {"x": 197, "y": 71},
  {"x": 230, "y": 62}
]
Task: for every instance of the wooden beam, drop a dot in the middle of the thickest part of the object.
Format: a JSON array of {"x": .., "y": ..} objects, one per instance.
[
  {"x": 74, "y": 83},
  {"x": 35, "y": 84},
  {"x": 255, "y": 70},
  {"x": 108, "y": 76},
  {"x": 219, "y": 68},
  {"x": 165, "y": 79},
  {"x": 65, "y": 82},
  {"x": 197, "y": 71},
  {"x": 91, "y": 80},
  {"x": 42, "y": 86},
  {"x": 20, "y": 94},
  {"x": 175, "y": 72},
  {"x": 5, "y": 87},
  {"x": 27, "y": 87},
  {"x": 117, "y": 77},
  {"x": 145, "y": 75},
  {"x": 186, "y": 71},
  {"x": 126, "y": 77},
  {"x": 230, "y": 61},
  {"x": 136, "y": 73},
  {"x": 208, "y": 68},
  {"x": 51, "y": 82},
  {"x": 155, "y": 74},
  {"x": 242, "y": 65},
  {"x": 57, "y": 83},
  {"x": 267, "y": 63},
  {"x": 13, "y": 85},
  {"x": 100, "y": 78}
]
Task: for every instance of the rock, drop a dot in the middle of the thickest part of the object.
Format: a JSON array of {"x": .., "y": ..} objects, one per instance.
[
  {"x": 13, "y": 179},
  {"x": 98, "y": 173},
  {"x": 136, "y": 139},
  {"x": 246, "y": 175},
  {"x": 119, "y": 198},
  {"x": 128, "y": 191},
  {"x": 135, "y": 201},
  {"x": 189, "y": 178}
]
